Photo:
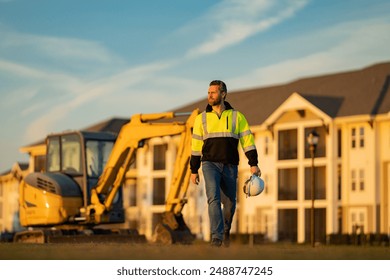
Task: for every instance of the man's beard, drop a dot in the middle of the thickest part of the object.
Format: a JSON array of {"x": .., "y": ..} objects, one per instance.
[{"x": 216, "y": 101}]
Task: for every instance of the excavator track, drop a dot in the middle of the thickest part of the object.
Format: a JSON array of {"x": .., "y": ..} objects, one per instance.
[
  {"x": 76, "y": 236},
  {"x": 29, "y": 236}
]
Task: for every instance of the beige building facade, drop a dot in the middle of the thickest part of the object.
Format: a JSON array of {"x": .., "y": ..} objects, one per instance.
[
  {"x": 351, "y": 171},
  {"x": 9, "y": 186}
]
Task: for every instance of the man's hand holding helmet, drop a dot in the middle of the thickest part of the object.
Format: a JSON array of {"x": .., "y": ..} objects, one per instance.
[{"x": 255, "y": 170}]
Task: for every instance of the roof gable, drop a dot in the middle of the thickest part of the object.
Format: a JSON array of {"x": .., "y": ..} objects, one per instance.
[{"x": 298, "y": 103}]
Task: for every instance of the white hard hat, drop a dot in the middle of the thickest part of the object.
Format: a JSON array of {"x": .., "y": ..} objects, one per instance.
[{"x": 254, "y": 186}]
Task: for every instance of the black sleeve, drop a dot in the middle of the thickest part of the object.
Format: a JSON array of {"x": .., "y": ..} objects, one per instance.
[
  {"x": 195, "y": 164},
  {"x": 252, "y": 157}
]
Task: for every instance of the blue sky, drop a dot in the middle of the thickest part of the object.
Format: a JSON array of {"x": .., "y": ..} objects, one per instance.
[{"x": 70, "y": 64}]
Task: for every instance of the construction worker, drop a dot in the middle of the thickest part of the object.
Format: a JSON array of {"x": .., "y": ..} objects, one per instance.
[{"x": 216, "y": 134}]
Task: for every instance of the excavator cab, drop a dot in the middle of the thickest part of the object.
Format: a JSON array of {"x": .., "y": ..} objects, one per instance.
[{"x": 74, "y": 162}]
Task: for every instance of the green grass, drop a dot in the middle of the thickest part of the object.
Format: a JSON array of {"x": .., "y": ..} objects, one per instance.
[{"x": 198, "y": 251}]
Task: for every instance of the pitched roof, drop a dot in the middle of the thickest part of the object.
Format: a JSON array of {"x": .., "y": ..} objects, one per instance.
[
  {"x": 359, "y": 92},
  {"x": 110, "y": 125},
  {"x": 22, "y": 166}
]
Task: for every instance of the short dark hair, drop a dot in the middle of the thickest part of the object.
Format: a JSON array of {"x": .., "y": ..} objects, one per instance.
[{"x": 221, "y": 84}]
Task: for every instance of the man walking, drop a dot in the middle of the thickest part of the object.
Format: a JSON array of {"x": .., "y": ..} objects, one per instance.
[{"x": 216, "y": 134}]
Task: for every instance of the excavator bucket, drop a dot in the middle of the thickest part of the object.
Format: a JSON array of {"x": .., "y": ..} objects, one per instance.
[{"x": 173, "y": 230}]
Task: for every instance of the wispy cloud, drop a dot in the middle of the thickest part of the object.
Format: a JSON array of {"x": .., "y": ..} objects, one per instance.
[
  {"x": 55, "y": 48},
  {"x": 233, "y": 21},
  {"x": 357, "y": 47},
  {"x": 49, "y": 91},
  {"x": 28, "y": 72},
  {"x": 34, "y": 83},
  {"x": 85, "y": 94}
]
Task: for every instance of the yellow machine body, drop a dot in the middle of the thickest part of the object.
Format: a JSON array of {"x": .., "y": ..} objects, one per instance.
[{"x": 48, "y": 199}]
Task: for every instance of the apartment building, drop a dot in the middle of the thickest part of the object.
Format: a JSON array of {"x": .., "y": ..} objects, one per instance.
[{"x": 350, "y": 112}]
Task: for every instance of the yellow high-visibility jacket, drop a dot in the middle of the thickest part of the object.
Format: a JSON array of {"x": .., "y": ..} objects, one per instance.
[{"x": 216, "y": 138}]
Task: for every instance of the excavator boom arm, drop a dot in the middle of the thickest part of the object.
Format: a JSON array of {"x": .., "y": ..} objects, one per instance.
[{"x": 141, "y": 127}]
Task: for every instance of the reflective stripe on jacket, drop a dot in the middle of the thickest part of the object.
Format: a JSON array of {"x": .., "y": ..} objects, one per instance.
[{"x": 216, "y": 138}]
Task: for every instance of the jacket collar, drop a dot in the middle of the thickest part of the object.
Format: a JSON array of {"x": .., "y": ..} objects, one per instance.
[{"x": 227, "y": 107}]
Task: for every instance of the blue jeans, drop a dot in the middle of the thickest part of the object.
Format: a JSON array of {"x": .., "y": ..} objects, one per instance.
[{"x": 221, "y": 187}]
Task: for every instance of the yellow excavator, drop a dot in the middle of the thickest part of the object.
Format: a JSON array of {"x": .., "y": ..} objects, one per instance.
[{"x": 81, "y": 187}]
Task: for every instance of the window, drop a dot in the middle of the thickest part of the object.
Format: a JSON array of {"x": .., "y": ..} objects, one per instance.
[
  {"x": 133, "y": 164},
  {"x": 288, "y": 184},
  {"x": 159, "y": 158},
  {"x": 339, "y": 180},
  {"x": 353, "y": 218},
  {"x": 353, "y": 180},
  {"x": 53, "y": 154},
  {"x": 361, "y": 179},
  {"x": 340, "y": 220},
  {"x": 64, "y": 154},
  {"x": 358, "y": 220},
  {"x": 71, "y": 153},
  {"x": 319, "y": 185},
  {"x": 287, "y": 225},
  {"x": 353, "y": 138},
  {"x": 287, "y": 146},
  {"x": 357, "y": 182},
  {"x": 339, "y": 143},
  {"x": 266, "y": 184},
  {"x": 361, "y": 217},
  {"x": 97, "y": 154},
  {"x": 358, "y": 139},
  {"x": 158, "y": 191},
  {"x": 132, "y": 186},
  {"x": 39, "y": 163},
  {"x": 361, "y": 138}
]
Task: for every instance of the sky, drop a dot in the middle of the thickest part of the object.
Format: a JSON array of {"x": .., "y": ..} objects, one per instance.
[{"x": 69, "y": 64}]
